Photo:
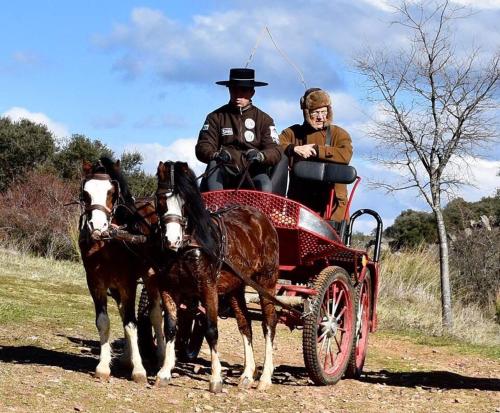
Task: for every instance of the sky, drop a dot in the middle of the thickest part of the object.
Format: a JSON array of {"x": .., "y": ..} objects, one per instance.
[{"x": 140, "y": 75}]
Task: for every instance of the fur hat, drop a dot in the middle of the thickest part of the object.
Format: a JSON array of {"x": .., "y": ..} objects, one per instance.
[{"x": 313, "y": 99}]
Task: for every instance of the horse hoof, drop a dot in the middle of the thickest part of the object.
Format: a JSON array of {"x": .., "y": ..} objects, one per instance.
[
  {"x": 245, "y": 383},
  {"x": 162, "y": 382},
  {"x": 102, "y": 376},
  {"x": 215, "y": 387},
  {"x": 139, "y": 378},
  {"x": 263, "y": 386}
]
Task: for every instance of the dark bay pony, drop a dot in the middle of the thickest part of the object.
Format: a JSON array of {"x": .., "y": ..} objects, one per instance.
[
  {"x": 115, "y": 265},
  {"x": 243, "y": 236}
]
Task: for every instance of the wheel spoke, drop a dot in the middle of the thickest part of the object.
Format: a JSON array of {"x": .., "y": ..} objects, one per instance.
[
  {"x": 337, "y": 302},
  {"x": 341, "y": 313},
  {"x": 338, "y": 344}
]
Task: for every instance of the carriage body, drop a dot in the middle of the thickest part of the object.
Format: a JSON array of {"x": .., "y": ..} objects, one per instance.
[
  {"x": 316, "y": 266},
  {"x": 308, "y": 243}
]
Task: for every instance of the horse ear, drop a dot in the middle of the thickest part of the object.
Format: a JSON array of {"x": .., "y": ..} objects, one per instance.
[
  {"x": 160, "y": 171},
  {"x": 86, "y": 167},
  {"x": 117, "y": 165}
]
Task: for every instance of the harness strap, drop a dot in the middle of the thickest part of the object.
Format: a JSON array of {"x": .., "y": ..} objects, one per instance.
[
  {"x": 248, "y": 281},
  {"x": 219, "y": 219},
  {"x": 98, "y": 207}
]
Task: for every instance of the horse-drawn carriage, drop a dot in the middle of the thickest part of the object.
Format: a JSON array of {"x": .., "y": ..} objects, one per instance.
[
  {"x": 294, "y": 259},
  {"x": 325, "y": 287}
]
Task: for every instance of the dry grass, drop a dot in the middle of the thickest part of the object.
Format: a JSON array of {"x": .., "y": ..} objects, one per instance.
[{"x": 410, "y": 300}]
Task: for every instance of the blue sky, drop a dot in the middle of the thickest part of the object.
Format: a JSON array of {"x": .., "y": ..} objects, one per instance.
[{"x": 139, "y": 75}]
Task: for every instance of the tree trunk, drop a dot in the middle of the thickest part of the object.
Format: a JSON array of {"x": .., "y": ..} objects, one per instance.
[{"x": 444, "y": 270}]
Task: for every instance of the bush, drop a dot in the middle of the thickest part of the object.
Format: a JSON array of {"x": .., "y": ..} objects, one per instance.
[
  {"x": 23, "y": 146},
  {"x": 476, "y": 277},
  {"x": 33, "y": 216}
]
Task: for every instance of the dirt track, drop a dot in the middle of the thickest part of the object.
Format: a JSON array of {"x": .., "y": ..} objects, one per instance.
[{"x": 52, "y": 371}]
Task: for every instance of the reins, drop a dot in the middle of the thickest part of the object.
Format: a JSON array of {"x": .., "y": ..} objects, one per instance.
[
  {"x": 244, "y": 175},
  {"x": 223, "y": 260}
]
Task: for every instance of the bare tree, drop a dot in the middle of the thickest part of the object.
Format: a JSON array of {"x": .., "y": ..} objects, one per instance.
[{"x": 437, "y": 108}]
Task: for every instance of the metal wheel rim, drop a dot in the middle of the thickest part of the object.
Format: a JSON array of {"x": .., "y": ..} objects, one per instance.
[
  {"x": 334, "y": 327},
  {"x": 362, "y": 321}
]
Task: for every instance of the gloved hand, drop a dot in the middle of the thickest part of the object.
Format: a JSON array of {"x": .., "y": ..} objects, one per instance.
[
  {"x": 222, "y": 156},
  {"x": 253, "y": 155}
]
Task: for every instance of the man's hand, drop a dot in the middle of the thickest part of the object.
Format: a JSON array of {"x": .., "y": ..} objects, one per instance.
[
  {"x": 222, "y": 156},
  {"x": 306, "y": 151},
  {"x": 253, "y": 155}
]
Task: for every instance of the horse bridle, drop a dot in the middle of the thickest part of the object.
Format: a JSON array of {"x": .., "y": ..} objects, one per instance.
[
  {"x": 166, "y": 189},
  {"x": 87, "y": 209}
]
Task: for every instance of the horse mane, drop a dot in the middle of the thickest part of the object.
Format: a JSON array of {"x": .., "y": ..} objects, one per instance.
[
  {"x": 115, "y": 173},
  {"x": 200, "y": 222}
]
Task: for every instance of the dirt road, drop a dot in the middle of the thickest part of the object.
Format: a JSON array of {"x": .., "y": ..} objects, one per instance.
[{"x": 42, "y": 371}]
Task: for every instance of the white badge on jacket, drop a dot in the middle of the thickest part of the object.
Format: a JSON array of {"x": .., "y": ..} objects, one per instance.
[
  {"x": 249, "y": 123},
  {"x": 249, "y": 136}
]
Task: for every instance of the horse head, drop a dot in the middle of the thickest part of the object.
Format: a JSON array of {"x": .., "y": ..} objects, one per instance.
[
  {"x": 170, "y": 204},
  {"x": 99, "y": 196}
]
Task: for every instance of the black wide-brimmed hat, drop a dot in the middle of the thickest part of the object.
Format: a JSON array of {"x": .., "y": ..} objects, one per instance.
[{"x": 241, "y": 77}]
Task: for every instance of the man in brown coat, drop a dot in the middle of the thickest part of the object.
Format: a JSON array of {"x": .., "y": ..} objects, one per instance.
[
  {"x": 317, "y": 139},
  {"x": 239, "y": 133}
]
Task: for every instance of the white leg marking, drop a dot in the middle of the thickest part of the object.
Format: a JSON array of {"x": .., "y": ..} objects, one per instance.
[
  {"x": 267, "y": 370},
  {"x": 216, "y": 377},
  {"x": 165, "y": 373},
  {"x": 138, "y": 371},
  {"x": 246, "y": 378},
  {"x": 102, "y": 370}
]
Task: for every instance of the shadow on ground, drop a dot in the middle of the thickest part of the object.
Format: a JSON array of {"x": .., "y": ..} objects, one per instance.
[{"x": 444, "y": 380}]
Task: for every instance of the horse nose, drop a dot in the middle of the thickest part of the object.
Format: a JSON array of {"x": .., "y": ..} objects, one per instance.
[{"x": 175, "y": 245}]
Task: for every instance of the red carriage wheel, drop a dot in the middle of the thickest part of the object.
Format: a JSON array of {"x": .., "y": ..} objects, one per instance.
[
  {"x": 363, "y": 312},
  {"x": 329, "y": 327}
]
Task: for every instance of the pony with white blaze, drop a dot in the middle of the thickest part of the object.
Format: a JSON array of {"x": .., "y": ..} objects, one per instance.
[
  {"x": 112, "y": 265},
  {"x": 198, "y": 248}
]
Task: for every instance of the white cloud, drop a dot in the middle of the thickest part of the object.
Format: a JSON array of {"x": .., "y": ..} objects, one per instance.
[
  {"x": 17, "y": 113},
  {"x": 179, "y": 150},
  {"x": 26, "y": 58},
  {"x": 284, "y": 112},
  {"x": 479, "y": 4},
  {"x": 154, "y": 43},
  {"x": 480, "y": 173}
]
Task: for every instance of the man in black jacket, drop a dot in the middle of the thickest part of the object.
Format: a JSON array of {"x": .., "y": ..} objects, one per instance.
[{"x": 236, "y": 134}]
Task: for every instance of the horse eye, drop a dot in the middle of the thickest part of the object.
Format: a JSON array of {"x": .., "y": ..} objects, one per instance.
[{"x": 86, "y": 197}]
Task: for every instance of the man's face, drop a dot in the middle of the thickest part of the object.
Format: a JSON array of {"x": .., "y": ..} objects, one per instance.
[
  {"x": 241, "y": 96},
  {"x": 318, "y": 117}
]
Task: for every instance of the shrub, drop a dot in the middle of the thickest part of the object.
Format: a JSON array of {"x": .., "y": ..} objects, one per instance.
[
  {"x": 24, "y": 145},
  {"x": 475, "y": 258},
  {"x": 33, "y": 216}
]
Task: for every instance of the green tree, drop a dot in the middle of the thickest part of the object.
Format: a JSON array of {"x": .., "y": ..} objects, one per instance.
[
  {"x": 24, "y": 145},
  {"x": 412, "y": 228},
  {"x": 68, "y": 159},
  {"x": 140, "y": 183}
]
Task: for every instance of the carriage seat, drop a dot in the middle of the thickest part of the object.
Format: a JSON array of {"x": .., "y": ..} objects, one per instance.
[
  {"x": 279, "y": 176},
  {"x": 327, "y": 172}
]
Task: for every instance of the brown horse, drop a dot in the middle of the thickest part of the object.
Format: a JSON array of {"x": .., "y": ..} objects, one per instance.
[
  {"x": 115, "y": 265},
  {"x": 198, "y": 268}
]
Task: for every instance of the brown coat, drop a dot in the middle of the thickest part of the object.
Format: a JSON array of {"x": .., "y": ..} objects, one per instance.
[
  {"x": 250, "y": 128},
  {"x": 339, "y": 151}
]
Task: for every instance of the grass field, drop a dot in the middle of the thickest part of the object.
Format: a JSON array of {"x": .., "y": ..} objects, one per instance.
[{"x": 48, "y": 351}]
